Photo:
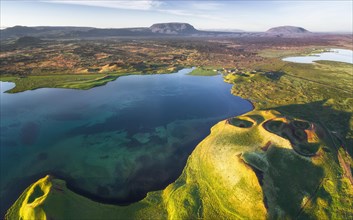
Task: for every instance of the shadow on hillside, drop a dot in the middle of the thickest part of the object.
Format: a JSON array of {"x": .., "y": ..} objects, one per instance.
[
  {"x": 274, "y": 75},
  {"x": 294, "y": 180},
  {"x": 324, "y": 115}
]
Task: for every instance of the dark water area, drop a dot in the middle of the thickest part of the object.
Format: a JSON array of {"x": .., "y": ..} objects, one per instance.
[{"x": 112, "y": 143}]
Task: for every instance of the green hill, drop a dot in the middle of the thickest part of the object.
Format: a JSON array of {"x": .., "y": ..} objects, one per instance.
[{"x": 256, "y": 166}]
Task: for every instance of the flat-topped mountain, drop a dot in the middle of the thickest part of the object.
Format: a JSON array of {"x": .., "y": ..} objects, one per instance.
[
  {"x": 287, "y": 30},
  {"x": 173, "y": 28}
]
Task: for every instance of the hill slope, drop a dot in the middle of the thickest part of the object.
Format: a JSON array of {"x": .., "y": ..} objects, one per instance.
[
  {"x": 287, "y": 30},
  {"x": 27, "y": 41},
  {"x": 256, "y": 166},
  {"x": 41, "y": 31}
]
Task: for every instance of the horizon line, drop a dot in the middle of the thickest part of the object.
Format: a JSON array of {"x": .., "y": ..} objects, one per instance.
[{"x": 201, "y": 29}]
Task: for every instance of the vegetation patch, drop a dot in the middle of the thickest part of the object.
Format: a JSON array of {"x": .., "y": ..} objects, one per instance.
[
  {"x": 241, "y": 123},
  {"x": 204, "y": 72},
  {"x": 58, "y": 81}
]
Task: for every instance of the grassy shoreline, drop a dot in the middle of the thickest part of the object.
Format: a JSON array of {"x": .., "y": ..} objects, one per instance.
[
  {"x": 58, "y": 81},
  {"x": 200, "y": 71},
  {"x": 69, "y": 81}
]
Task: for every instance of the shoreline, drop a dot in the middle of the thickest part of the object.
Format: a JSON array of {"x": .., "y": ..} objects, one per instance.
[{"x": 140, "y": 197}]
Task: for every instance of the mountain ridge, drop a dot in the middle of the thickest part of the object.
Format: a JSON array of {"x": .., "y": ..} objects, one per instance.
[{"x": 155, "y": 30}]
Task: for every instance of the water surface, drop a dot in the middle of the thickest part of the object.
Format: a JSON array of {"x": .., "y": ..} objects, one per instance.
[
  {"x": 112, "y": 143},
  {"x": 339, "y": 55}
]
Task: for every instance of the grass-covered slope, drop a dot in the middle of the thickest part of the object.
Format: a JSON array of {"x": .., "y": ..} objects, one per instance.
[
  {"x": 204, "y": 72},
  {"x": 319, "y": 92},
  {"x": 69, "y": 81},
  {"x": 58, "y": 81},
  {"x": 255, "y": 166}
]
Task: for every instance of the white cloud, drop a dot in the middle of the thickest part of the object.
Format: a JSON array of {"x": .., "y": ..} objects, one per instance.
[
  {"x": 190, "y": 9},
  {"x": 120, "y": 4},
  {"x": 195, "y": 9},
  {"x": 205, "y": 6},
  {"x": 186, "y": 13}
]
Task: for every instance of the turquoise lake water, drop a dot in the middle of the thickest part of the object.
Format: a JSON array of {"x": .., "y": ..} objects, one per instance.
[
  {"x": 112, "y": 143},
  {"x": 339, "y": 55}
]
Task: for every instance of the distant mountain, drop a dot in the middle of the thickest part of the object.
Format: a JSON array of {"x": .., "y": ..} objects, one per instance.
[
  {"x": 173, "y": 28},
  {"x": 84, "y": 32},
  {"x": 114, "y": 32},
  {"x": 27, "y": 41},
  {"x": 40, "y": 31},
  {"x": 156, "y": 30},
  {"x": 287, "y": 30}
]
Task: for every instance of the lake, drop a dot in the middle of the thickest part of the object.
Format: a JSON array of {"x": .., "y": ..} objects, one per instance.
[
  {"x": 112, "y": 143},
  {"x": 339, "y": 55}
]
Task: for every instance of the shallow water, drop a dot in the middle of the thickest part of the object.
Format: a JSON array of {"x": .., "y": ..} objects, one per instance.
[
  {"x": 113, "y": 143},
  {"x": 339, "y": 55}
]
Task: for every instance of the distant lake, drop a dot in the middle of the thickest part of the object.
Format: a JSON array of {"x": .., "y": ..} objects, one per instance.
[
  {"x": 339, "y": 55},
  {"x": 113, "y": 143}
]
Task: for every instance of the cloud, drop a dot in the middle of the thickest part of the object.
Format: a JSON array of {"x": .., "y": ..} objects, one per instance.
[
  {"x": 205, "y": 6},
  {"x": 186, "y": 13},
  {"x": 189, "y": 8},
  {"x": 119, "y": 4},
  {"x": 196, "y": 9}
]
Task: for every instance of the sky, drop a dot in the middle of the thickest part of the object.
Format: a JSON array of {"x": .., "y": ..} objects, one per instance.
[{"x": 253, "y": 15}]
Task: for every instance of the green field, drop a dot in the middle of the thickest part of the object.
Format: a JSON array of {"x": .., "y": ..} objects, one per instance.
[
  {"x": 79, "y": 81},
  {"x": 203, "y": 72},
  {"x": 58, "y": 81},
  {"x": 319, "y": 92}
]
